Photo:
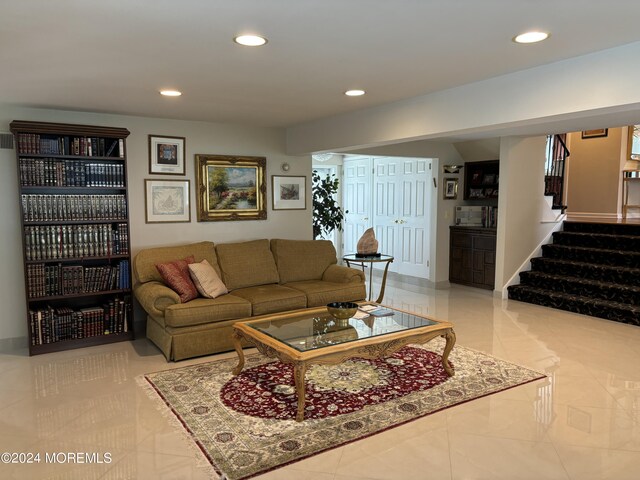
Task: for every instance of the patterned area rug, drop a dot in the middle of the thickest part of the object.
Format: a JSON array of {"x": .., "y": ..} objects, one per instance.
[{"x": 244, "y": 425}]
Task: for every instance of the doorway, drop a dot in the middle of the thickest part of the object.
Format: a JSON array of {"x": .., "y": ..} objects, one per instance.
[{"x": 392, "y": 195}]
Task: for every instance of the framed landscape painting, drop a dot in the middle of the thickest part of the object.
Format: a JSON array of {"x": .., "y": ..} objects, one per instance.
[
  {"x": 167, "y": 201},
  {"x": 231, "y": 188},
  {"x": 289, "y": 193},
  {"x": 166, "y": 155}
]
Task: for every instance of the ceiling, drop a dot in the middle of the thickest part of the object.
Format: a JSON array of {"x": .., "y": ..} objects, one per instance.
[{"x": 114, "y": 56}]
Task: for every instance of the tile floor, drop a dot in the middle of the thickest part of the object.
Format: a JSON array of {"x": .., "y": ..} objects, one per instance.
[{"x": 581, "y": 423}]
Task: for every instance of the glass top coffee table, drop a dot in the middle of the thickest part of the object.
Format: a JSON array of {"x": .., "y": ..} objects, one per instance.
[{"x": 312, "y": 336}]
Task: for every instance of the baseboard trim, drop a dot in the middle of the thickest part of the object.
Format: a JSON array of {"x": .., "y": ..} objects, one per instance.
[
  {"x": 591, "y": 216},
  {"x": 13, "y": 344}
]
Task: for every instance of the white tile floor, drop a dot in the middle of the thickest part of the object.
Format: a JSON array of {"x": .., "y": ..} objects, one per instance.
[{"x": 582, "y": 423}]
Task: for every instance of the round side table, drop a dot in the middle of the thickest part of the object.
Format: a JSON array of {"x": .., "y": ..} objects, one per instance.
[{"x": 371, "y": 259}]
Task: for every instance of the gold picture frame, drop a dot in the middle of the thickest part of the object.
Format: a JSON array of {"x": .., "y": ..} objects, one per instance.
[
  {"x": 231, "y": 188},
  {"x": 596, "y": 133},
  {"x": 633, "y": 143}
]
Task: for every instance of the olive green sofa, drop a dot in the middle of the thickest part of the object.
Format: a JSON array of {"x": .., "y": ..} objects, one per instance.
[{"x": 262, "y": 277}]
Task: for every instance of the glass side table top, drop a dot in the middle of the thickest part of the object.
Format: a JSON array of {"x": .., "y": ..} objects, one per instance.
[
  {"x": 311, "y": 332},
  {"x": 367, "y": 258}
]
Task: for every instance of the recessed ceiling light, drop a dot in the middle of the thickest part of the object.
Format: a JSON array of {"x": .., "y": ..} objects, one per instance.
[
  {"x": 250, "y": 40},
  {"x": 354, "y": 93},
  {"x": 170, "y": 93},
  {"x": 531, "y": 37}
]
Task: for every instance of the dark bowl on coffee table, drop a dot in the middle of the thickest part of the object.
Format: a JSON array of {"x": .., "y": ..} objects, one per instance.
[{"x": 342, "y": 310}]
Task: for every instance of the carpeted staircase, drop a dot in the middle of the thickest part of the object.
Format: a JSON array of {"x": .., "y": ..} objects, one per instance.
[{"x": 590, "y": 268}]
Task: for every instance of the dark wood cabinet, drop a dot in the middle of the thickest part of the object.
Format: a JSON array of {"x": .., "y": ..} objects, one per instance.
[
  {"x": 75, "y": 230},
  {"x": 481, "y": 180},
  {"x": 472, "y": 256}
]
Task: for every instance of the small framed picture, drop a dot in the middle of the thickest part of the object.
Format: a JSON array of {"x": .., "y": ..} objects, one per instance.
[
  {"x": 167, "y": 201},
  {"x": 476, "y": 193},
  {"x": 450, "y": 191},
  {"x": 599, "y": 132},
  {"x": 289, "y": 193},
  {"x": 166, "y": 155},
  {"x": 488, "y": 179}
]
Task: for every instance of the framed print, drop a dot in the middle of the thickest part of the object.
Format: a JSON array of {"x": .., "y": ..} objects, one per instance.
[
  {"x": 167, "y": 201},
  {"x": 166, "y": 155},
  {"x": 600, "y": 132},
  {"x": 450, "y": 191},
  {"x": 634, "y": 143},
  {"x": 231, "y": 188},
  {"x": 289, "y": 193}
]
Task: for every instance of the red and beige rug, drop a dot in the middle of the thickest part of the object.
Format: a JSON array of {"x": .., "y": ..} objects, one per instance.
[{"x": 244, "y": 426}]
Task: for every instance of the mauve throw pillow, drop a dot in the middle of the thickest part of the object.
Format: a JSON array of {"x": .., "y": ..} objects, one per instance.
[
  {"x": 207, "y": 280},
  {"x": 176, "y": 275}
]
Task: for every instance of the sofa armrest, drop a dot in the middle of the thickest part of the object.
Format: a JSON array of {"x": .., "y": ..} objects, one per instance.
[
  {"x": 155, "y": 297},
  {"x": 341, "y": 274}
]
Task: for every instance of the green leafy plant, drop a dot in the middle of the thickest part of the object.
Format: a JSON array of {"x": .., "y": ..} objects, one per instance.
[{"x": 327, "y": 214}]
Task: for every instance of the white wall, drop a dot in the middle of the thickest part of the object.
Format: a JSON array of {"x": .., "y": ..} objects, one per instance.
[
  {"x": 201, "y": 137},
  {"x": 575, "y": 94},
  {"x": 520, "y": 205},
  {"x": 594, "y": 186}
]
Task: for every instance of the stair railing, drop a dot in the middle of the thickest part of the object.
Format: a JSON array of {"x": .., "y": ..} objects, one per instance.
[{"x": 557, "y": 153}]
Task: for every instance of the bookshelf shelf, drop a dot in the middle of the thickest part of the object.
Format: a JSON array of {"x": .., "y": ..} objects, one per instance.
[
  {"x": 77, "y": 264},
  {"x": 77, "y": 295}
]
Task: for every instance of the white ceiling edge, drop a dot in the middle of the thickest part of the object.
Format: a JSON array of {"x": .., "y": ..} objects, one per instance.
[{"x": 575, "y": 94}]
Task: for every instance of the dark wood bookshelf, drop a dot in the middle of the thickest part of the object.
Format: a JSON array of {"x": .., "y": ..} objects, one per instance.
[{"x": 54, "y": 321}]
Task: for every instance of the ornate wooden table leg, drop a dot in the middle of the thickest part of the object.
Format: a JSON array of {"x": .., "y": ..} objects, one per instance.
[
  {"x": 450, "y": 336},
  {"x": 299, "y": 371},
  {"x": 238, "y": 346}
]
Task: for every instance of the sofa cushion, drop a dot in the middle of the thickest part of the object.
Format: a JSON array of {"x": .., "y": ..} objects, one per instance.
[
  {"x": 272, "y": 298},
  {"x": 320, "y": 293},
  {"x": 176, "y": 276},
  {"x": 246, "y": 264},
  {"x": 144, "y": 263},
  {"x": 206, "y": 310},
  {"x": 302, "y": 259},
  {"x": 206, "y": 280}
]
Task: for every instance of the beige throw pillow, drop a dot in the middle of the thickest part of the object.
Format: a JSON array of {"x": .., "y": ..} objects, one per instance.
[{"x": 206, "y": 280}]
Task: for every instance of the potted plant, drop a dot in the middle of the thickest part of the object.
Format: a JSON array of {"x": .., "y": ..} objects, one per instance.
[{"x": 327, "y": 214}]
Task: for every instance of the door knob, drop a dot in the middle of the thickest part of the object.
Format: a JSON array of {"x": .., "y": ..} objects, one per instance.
[{"x": 365, "y": 218}]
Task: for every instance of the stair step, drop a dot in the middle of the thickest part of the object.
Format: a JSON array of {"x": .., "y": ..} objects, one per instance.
[
  {"x": 610, "y": 228},
  {"x": 603, "y": 273},
  {"x": 593, "y": 255},
  {"x": 628, "y": 243},
  {"x": 581, "y": 286},
  {"x": 618, "y": 312}
]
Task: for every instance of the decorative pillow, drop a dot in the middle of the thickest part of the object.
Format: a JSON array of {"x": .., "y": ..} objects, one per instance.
[
  {"x": 176, "y": 275},
  {"x": 206, "y": 280}
]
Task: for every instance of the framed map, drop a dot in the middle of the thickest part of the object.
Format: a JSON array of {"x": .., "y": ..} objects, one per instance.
[{"x": 167, "y": 201}]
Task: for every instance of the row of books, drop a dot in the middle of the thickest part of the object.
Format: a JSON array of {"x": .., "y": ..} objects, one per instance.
[
  {"x": 45, "y": 208},
  {"x": 489, "y": 216},
  {"x": 53, "y": 172},
  {"x": 51, "y": 242},
  {"x": 50, "y": 325},
  {"x": 33, "y": 143},
  {"x": 57, "y": 280}
]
